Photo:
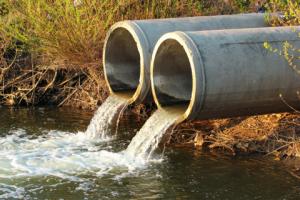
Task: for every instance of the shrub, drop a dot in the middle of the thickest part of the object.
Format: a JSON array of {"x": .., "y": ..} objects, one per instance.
[
  {"x": 61, "y": 31},
  {"x": 290, "y": 10},
  {"x": 71, "y": 32},
  {"x": 57, "y": 44},
  {"x": 290, "y": 17}
]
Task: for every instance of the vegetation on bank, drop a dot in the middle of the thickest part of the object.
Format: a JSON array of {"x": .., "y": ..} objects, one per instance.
[
  {"x": 50, "y": 53},
  {"x": 274, "y": 134},
  {"x": 55, "y": 47},
  {"x": 290, "y": 17}
]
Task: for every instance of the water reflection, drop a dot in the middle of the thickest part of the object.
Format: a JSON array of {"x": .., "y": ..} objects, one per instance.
[
  {"x": 36, "y": 120},
  {"x": 184, "y": 173}
]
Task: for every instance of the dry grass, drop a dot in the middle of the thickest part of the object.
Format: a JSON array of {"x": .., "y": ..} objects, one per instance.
[
  {"x": 70, "y": 33},
  {"x": 289, "y": 9},
  {"x": 273, "y": 134},
  {"x": 50, "y": 52},
  {"x": 59, "y": 39}
]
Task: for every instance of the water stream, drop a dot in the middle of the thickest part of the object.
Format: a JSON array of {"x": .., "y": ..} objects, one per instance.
[
  {"x": 45, "y": 154},
  {"x": 63, "y": 154},
  {"x": 106, "y": 117},
  {"x": 148, "y": 138}
]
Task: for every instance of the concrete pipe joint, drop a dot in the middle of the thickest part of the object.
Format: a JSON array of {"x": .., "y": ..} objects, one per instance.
[
  {"x": 225, "y": 73},
  {"x": 129, "y": 45}
]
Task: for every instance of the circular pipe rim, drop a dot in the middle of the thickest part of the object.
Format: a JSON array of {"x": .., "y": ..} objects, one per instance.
[
  {"x": 197, "y": 70},
  {"x": 142, "y": 46}
]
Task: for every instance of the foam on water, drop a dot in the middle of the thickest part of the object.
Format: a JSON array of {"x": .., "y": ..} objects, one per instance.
[
  {"x": 68, "y": 156},
  {"x": 11, "y": 192},
  {"x": 64, "y": 154},
  {"x": 59, "y": 154}
]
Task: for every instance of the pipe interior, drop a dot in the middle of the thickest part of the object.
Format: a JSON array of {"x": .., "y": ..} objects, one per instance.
[
  {"x": 122, "y": 62},
  {"x": 172, "y": 75}
]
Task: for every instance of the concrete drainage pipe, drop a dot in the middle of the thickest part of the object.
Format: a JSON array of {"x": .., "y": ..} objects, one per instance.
[
  {"x": 225, "y": 73},
  {"x": 129, "y": 45}
]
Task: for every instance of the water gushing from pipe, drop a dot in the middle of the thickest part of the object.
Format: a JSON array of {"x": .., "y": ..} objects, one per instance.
[
  {"x": 225, "y": 73},
  {"x": 143, "y": 145},
  {"x": 105, "y": 117}
]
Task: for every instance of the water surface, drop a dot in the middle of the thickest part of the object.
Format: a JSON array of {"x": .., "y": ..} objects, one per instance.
[{"x": 51, "y": 158}]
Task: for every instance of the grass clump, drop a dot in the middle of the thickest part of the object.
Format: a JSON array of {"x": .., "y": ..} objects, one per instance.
[
  {"x": 51, "y": 52},
  {"x": 71, "y": 32},
  {"x": 290, "y": 11},
  {"x": 60, "y": 31},
  {"x": 67, "y": 35},
  {"x": 290, "y": 16}
]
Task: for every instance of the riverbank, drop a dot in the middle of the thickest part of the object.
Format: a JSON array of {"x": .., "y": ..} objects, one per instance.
[
  {"x": 42, "y": 156},
  {"x": 274, "y": 134},
  {"x": 62, "y": 67}
]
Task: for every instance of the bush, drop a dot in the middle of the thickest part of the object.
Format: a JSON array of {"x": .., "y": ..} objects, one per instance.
[
  {"x": 53, "y": 48},
  {"x": 290, "y": 17},
  {"x": 71, "y": 32},
  {"x": 59, "y": 30},
  {"x": 290, "y": 10}
]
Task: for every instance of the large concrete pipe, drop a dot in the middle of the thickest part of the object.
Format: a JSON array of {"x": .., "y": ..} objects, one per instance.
[
  {"x": 225, "y": 73},
  {"x": 129, "y": 44}
]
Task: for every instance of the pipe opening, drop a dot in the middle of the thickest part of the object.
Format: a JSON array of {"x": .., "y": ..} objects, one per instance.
[
  {"x": 172, "y": 75},
  {"x": 122, "y": 62}
]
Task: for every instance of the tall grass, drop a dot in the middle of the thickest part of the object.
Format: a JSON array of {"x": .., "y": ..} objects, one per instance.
[
  {"x": 71, "y": 32},
  {"x": 290, "y": 10},
  {"x": 60, "y": 43},
  {"x": 290, "y": 17},
  {"x": 59, "y": 30}
]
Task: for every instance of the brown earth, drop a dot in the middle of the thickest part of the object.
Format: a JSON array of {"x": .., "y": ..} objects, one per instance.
[{"x": 272, "y": 134}]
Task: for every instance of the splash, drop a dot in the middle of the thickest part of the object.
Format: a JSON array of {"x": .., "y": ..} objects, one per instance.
[
  {"x": 63, "y": 154},
  {"x": 58, "y": 154},
  {"x": 68, "y": 155},
  {"x": 105, "y": 117}
]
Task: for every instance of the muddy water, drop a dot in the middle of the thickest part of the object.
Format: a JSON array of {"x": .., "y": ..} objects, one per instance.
[{"x": 44, "y": 154}]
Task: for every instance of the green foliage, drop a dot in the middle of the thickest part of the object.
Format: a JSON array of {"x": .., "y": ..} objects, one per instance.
[
  {"x": 289, "y": 52},
  {"x": 71, "y": 32},
  {"x": 243, "y": 4},
  {"x": 291, "y": 17},
  {"x": 290, "y": 10},
  {"x": 58, "y": 29},
  {"x": 3, "y": 9}
]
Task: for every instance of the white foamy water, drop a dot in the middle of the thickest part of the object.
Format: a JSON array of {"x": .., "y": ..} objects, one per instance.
[
  {"x": 63, "y": 154},
  {"x": 58, "y": 154},
  {"x": 148, "y": 138},
  {"x": 71, "y": 156},
  {"x": 105, "y": 117}
]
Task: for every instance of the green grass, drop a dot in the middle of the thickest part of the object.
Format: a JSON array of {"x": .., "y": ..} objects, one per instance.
[
  {"x": 291, "y": 17},
  {"x": 68, "y": 34}
]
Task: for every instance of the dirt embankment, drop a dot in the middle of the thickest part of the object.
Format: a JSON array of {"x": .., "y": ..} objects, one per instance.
[
  {"x": 28, "y": 80},
  {"x": 273, "y": 134}
]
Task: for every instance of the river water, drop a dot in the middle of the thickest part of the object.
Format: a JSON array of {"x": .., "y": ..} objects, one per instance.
[{"x": 45, "y": 154}]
